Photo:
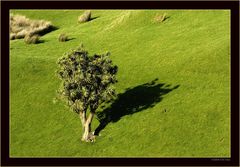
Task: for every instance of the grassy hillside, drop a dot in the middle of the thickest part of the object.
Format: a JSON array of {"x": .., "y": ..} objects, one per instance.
[{"x": 185, "y": 113}]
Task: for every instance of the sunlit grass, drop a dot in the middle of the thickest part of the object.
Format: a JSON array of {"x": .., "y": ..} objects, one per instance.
[{"x": 190, "y": 49}]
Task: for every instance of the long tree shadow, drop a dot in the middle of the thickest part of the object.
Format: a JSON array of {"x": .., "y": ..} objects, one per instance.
[{"x": 133, "y": 100}]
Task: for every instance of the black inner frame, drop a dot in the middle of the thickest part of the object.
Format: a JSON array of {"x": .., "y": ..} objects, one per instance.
[{"x": 208, "y": 5}]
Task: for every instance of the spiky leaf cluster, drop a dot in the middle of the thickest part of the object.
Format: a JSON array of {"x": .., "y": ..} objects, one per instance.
[{"x": 86, "y": 80}]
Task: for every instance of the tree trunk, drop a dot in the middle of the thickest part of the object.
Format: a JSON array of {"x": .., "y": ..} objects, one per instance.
[
  {"x": 87, "y": 136},
  {"x": 83, "y": 118}
]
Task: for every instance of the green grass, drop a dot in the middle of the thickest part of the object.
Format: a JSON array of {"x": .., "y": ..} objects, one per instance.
[{"x": 190, "y": 49}]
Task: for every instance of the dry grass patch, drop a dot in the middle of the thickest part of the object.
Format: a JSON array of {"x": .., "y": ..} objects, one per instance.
[
  {"x": 31, "y": 39},
  {"x": 20, "y": 26},
  {"x": 160, "y": 18},
  {"x": 63, "y": 38},
  {"x": 85, "y": 17},
  {"x": 119, "y": 20}
]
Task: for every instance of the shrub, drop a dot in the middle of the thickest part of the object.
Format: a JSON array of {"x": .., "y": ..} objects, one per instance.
[
  {"x": 160, "y": 18},
  {"x": 86, "y": 16},
  {"x": 62, "y": 38},
  {"x": 12, "y": 36},
  {"x": 31, "y": 39},
  {"x": 21, "y": 34},
  {"x": 20, "y": 26}
]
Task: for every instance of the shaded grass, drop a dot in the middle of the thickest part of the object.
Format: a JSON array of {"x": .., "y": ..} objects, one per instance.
[
  {"x": 133, "y": 100},
  {"x": 190, "y": 49}
]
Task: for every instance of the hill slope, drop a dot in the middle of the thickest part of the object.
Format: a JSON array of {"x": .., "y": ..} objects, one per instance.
[{"x": 185, "y": 113}]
